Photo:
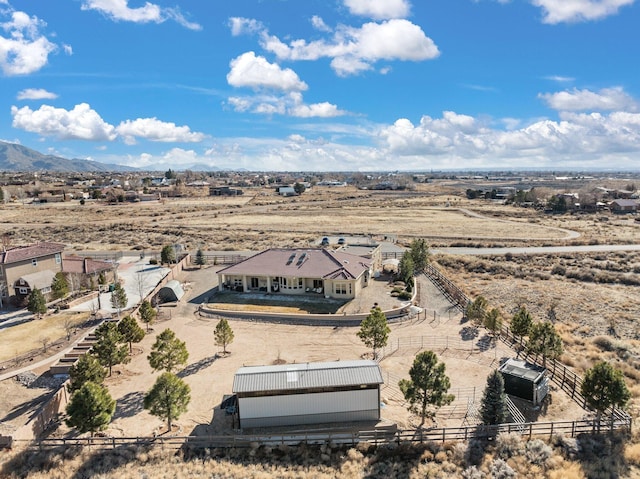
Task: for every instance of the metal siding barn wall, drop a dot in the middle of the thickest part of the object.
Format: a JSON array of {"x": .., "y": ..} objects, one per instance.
[{"x": 309, "y": 408}]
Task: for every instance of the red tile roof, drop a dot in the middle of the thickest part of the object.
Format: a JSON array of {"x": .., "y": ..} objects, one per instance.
[
  {"x": 302, "y": 263},
  {"x": 76, "y": 264},
  {"x": 33, "y": 251}
]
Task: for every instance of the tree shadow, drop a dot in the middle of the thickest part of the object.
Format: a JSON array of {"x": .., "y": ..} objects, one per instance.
[
  {"x": 198, "y": 366},
  {"x": 30, "y": 408},
  {"x": 602, "y": 455},
  {"x": 485, "y": 343},
  {"x": 130, "y": 404},
  {"x": 469, "y": 333}
]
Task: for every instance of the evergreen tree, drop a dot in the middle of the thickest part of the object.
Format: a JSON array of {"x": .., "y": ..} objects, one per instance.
[
  {"x": 59, "y": 285},
  {"x": 223, "y": 334},
  {"x": 406, "y": 269},
  {"x": 168, "y": 352},
  {"x": 90, "y": 409},
  {"x": 36, "y": 303},
  {"x": 476, "y": 311},
  {"x": 200, "y": 259},
  {"x": 109, "y": 348},
  {"x": 545, "y": 340},
  {"x": 521, "y": 322},
  {"x": 167, "y": 254},
  {"x": 419, "y": 252},
  {"x": 493, "y": 322},
  {"x": 131, "y": 332},
  {"x": 147, "y": 313},
  {"x": 428, "y": 386},
  {"x": 493, "y": 409},
  {"x": 374, "y": 330},
  {"x": 118, "y": 298},
  {"x": 299, "y": 188},
  {"x": 603, "y": 387},
  {"x": 86, "y": 369},
  {"x": 168, "y": 398}
]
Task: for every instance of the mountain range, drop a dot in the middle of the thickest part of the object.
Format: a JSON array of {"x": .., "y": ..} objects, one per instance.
[{"x": 18, "y": 158}]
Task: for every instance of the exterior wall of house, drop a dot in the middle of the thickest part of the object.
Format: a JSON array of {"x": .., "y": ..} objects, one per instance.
[
  {"x": 13, "y": 271},
  {"x": 290, "y": 409}
]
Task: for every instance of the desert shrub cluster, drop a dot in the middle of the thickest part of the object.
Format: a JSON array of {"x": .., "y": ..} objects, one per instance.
[{"x": 507, "y": 456}]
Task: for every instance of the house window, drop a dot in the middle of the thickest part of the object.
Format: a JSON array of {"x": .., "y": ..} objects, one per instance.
[
  {"x": 284, "y": 283},
  {"x": 34, "y": 262},
  {"x": 317, "y": 283},
  {"x": 58, "y": 258},
  {"x": 46, "y": 289},
  {"x": 23, "y": 290},
  {"x": 340, "y": 288},
  {"x": 237, "y": 282},
  {"x": 254, "y": 283}
]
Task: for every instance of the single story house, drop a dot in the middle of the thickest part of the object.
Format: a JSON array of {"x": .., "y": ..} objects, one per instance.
[
  {"x": 623, "y": 206},
  {"x": 299, "y": 271},
  {"x": 309, "y": 393},
  {"x": 85, "y": 272}
]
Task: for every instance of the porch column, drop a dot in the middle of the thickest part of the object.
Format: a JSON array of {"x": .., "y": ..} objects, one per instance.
[
  {"x": 268, "y": 284},
  {"x": 245, "y": 286},
  {"x": 221, "y": 281}
]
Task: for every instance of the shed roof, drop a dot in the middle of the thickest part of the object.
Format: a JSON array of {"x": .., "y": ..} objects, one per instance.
[
  {"x": 306, "y": 375},
  {"x": 522, "y": 369}
]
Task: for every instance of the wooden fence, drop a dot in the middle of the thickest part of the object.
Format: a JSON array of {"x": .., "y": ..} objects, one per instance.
[{"x": 543, "y": 430}]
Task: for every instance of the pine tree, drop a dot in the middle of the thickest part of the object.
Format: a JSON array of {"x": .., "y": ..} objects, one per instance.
[
  {"x": 374, "y": 330},
  {"x": 36, "y": 303},
  {"x": 493, "y": 409},
  {"x": 168, "y": 398},
  {"x": 493, "y": 322},
  {"x": 108, "y": 348},
  {"x": 419, "y": 252},
  {"x": 476, "y": 311},
  {"x": 545, "y": 340},
  {"x": 168, "y": 352},
  {"x": 603, "y": 387},
  {"x": 147, "y": 313},
  {"x": 131, "y": 332},
  {"x": 428, "y": 386},
  {"x": 406, "y": 269},
  {"x": 90, "y": 408},
  {"x": 118, "y": 298},
  {"x": 200, "y": 259},
  {"x": 59, "y": 286},
  {"x": 521, "y": 322},
  {"x": 86, "y": 369},
  {"x": 223, "y": 334}
]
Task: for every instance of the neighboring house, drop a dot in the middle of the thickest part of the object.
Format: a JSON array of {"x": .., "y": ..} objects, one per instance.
[
  {"x": 623, "y": 206},
  {"x": 84, "y": 272},
  {"x": 299, "y": 271},
  {"x": 311, "y": 393},
  {"x": 286, "y": 191},
  {"x": 224, "y": 191},
  {"x": 16, "y": 264}
]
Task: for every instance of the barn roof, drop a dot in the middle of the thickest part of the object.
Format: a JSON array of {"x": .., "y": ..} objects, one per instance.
[
  {"x": 522, "y": 369},
  {"x": 306, "y": 375}
]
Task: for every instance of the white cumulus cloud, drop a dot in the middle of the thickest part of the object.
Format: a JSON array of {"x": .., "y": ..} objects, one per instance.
[
  {"x": 251, "y": 71},
  {"x": 24, "y": 49},
  {"x": 572, "y": 11},
  {"x": 243, "y": 26},
  {"x": 155, "y": 130},
  {"x": 120, "y": 10},
  {"x": 80, "y": 123},
  {"x": 607, "y": 99},
  {"x": 354, "y": 50},
  {"x": 36, "y": 94},
  {"x": 379, "y": 9}
]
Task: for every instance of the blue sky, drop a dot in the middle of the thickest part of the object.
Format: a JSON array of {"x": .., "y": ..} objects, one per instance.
[{"x": 324, "y": 85}]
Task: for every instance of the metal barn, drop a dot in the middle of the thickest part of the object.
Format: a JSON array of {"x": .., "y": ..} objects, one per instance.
[
  {"x": 525, "y": 380},
  {"x": 308, "y": 393}
]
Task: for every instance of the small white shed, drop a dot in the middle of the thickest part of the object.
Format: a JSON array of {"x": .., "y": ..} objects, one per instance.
[{"x": 308, "y": 393}]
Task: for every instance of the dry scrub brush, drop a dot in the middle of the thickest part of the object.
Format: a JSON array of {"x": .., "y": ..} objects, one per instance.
[{"x": 508, "y": 456}]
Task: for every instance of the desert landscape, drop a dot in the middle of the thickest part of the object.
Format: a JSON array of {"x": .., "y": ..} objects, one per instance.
[{"x": 593, "y": 297}]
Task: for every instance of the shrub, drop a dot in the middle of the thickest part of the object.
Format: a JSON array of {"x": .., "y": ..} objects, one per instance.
[
  {"x": 508, "y": 444},
  {"x": 405, "y": 295},
  {"x": 501, "y": 470},
  {"x": 537, "y": 452},
  {"x": 472, "y": 473}
]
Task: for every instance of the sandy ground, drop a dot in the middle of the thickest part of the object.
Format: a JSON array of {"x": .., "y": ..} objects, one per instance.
[{"x": 210, "y": 375}]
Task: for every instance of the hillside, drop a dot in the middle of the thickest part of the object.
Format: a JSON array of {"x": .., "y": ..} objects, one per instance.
[{"x": 18, "y": 158}]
